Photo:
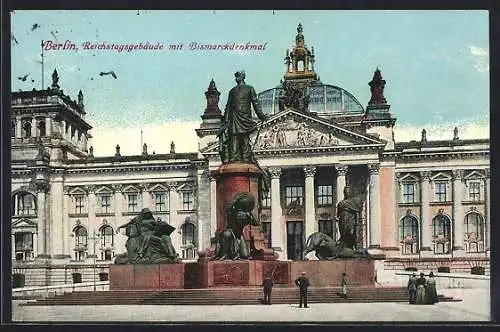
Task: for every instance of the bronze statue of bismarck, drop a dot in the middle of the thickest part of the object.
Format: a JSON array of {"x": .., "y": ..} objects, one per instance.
[{"x": 237, "y": 123}]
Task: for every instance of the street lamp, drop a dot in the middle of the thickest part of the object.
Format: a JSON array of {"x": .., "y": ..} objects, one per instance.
[{"x": 95, "y": 237}]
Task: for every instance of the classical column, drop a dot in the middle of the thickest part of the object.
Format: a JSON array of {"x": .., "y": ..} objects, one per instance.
[
  {"x": 33, "y": 127},
  {"x": 458, "y": 215},
  {"x": 341, "y": 172},
  {"x": 19, "y": 127},
  {"x": 487, "y": 202},
  {"x": 213, "y": 206},
  {"x": 145, "y": 196},
  {"x": 374, "y": 206},
  {"x": 311, "y": 225},
  {"x": 66, "y": 231},
  {"x": 276, "y": 233},
  {"x": 48, "y": 125},
  {"x": 91, "y": 208},
  {"x": 42, "y": 229},
  {"x": 173, "y": 218},
  {"x": 425, "y": 222}
]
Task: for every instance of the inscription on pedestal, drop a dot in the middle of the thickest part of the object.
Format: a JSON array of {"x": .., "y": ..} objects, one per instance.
[
  {"x": 277, "y": 271},
  {"x": 231, "y": 274}
]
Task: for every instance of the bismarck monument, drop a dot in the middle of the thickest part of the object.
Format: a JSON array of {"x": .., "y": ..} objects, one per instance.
[
  {"x": 239, "y": 181},
  {"x": 239, "y": 255}
]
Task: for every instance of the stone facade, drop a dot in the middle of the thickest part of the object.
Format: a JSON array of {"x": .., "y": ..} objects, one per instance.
[{"x": 426, "y": 203}]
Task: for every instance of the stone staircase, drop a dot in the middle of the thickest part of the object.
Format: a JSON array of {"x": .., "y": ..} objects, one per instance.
[{"x": 228, "y": 296}]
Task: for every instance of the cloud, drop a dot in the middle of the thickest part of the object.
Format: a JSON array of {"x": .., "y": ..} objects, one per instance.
[
  {"x": 482, "y": 58},
  {"x": 444, "y": 131},
  {"x": 156, "y": 136}
]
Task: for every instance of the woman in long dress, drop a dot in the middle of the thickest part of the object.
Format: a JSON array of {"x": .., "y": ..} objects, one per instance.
[
  {"x": 431, "y": 294},
  {"x": 421, "y": 284},
  {"x": 344, "y": 284}
]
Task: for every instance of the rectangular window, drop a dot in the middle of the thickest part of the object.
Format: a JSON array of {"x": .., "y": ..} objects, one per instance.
[
  {"x": 409, "y": 192},
  {"x": 23, "y": 245},
  {"x": 293, "y": 194},
  {"x": 187, "y": 201},
  {"x": 474, "y": 191},
  {"x": 78, "y": 204},
  {"x": 160, "y": 202},
  {"x": 266, "y": 200},
  {"x": 440, "y": 191},
  {"x": 325, "y": 195},
  {"x": 132, "y": 203},
  {"x": 105, "y": 204}
]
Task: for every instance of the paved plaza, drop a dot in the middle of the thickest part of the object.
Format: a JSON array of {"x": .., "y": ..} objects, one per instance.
[{"x": 474, "y": 307}]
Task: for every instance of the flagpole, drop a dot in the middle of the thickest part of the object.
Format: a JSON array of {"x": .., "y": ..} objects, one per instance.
[
  {"x": 141, "y": 141},
  {"x": 42, "y": 66}
]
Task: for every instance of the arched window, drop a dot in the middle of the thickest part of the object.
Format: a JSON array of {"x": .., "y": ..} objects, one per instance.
[
  {"x": 409, "y": 235},
  {"x": 80, "y": 237},
  {"x": 13, "y": 129},
  {"x": 41, "y": 128},
  {"x": 27, "y": 129},
  {"x": 474, "y": 232},
  {"x": 106, "y": 236},
  {"x": 24, "y": 203},
  {"x": 187, "y": 234},
  {"x": 441, "y": 226}
]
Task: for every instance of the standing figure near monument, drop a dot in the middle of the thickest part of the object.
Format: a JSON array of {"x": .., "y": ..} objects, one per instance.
[
  {"x": 303, "y": 283},
  {"x": 421, "y": 284},
  {"x": 343, "y": 284},
  {"x": 237, "y": 122},
  {"x": 267, "y": 283},
  {"x": 431, "y": 294},
  {"x": 412, "y": 288},
  {"x": 348, "y": 217},
  {"x": 231, "y": 243}
]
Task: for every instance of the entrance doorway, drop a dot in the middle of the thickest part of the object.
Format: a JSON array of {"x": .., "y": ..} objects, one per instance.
[{"x": 295, "y": 239}]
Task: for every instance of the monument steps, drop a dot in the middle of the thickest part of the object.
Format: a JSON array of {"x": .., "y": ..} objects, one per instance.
[{"x": 228, "y": 296}]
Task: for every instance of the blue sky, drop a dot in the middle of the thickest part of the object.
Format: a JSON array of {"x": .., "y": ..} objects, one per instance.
[{"x": 436, "y": 63}]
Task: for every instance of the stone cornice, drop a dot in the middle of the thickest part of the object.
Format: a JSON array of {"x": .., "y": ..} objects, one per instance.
[{"x": 123, "y": 169}]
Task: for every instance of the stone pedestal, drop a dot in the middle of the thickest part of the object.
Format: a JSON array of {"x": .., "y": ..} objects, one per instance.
[
  {"x": 231, "y": 180},
  {"x": 151, "y": 276},
  {"x": 241, "y": 273}
]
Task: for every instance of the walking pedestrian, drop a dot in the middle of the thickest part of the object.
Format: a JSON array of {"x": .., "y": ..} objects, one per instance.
[
  {"x": 343, "y": 284},
  {"x": 431, "y": 293},
  {"x": 412, "y": 288},
  {"x": 267, "y": 283},
  {"x": 303, "y": 283},
  {"x": 421, "y": 284}
]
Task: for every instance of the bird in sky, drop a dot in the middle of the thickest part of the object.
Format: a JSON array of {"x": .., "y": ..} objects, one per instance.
[
  {"x": 23, "y": 78},
  {"x": 35, "y": 26},
  {"x": 53, "y": 35},
  {"x": 13, "y": 38},
  {"x": 112, "y": 73}
]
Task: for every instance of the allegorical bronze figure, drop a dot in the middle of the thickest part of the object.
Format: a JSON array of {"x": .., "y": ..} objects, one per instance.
[
  {"x": 148, "y": 241},
  {"x": 237, "y": 123},
  {"x": 231, "y": 243},
  {"x": 349, "y": 218}
]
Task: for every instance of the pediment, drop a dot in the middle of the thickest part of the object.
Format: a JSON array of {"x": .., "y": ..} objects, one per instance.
[
  {"x": 409, "y": 178},
  {"x": 441, "y": 177},
  {"x": 77, "y": 191},
  {"x": 474, "y": 175},
  {"x": 103, "y": 190},
  {"x": 24, "y": 223},
  {"x": 294, "y": 130}
]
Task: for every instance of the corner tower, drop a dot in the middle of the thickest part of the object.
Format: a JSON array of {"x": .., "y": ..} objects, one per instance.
[{"x": 377, "y": 119}]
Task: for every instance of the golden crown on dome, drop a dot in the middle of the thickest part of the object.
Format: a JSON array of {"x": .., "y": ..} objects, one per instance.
[{"x": 299, "y": 62}]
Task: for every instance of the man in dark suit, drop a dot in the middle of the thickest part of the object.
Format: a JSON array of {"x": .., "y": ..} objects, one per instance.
[
  {"x": 303, "y": 283},
  {"x": 267, "y": 283}
]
